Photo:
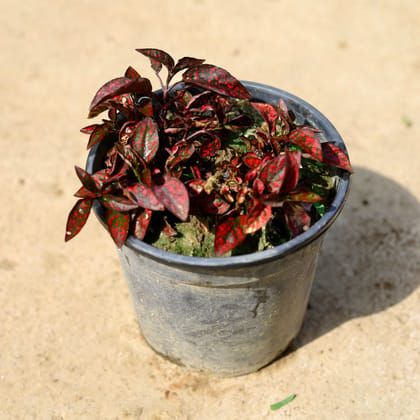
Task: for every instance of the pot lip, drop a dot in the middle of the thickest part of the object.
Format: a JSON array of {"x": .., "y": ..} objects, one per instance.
[{"x": 261, "y": 91}]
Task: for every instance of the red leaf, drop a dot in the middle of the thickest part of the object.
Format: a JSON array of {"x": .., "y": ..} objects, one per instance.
[
  {"x": 303, "y": 196},
  {"x": 131, "y": 73},
  {"x": 169, "y": 230},
  {"x": 251, "y": 160},
  {"x": 217, "y": 80},
  {"x": 141, "y": 223},
  {"x": 306, "y": 139},
  {"x": 157, "y": 58},
  {"x": 181, "y": 154},
  {"x": 146, "y": 176},
  {"x": 122, "y": 102},
  {"x": 118, "y": 224},
  {"x": 118, "y": 203},
  {"x": 145, "y": 197},
  {"x": 292, "y": 172},
  {"x": 214, "y": 204},
  {"x": 86, "y": 179},
  {"x": 273, "y": 200},
  {"x": 99, "y": 178},
  {"x": 145, "y": 140},
  {"x": 174, "y": 196},
  {"x": 258, "y": 187},
  {"x": 184, "y": 97},
  {"x": 269, "y": 113},
  {"x": 250, "y": 175},
  {"x": 112, "y": 114},
  {"x": 297, "y": 219},
  {"x": 333, "y": 155},
  {"x": 89, "y": 128},
  {"x": 115, "y": 87},
  {"x": 210, "y": 147},
  {"x": 146, "y": 107},
  {"x": 77, "y": 217},
  {"x": 257, "y": 218},
  {"x": 186, "y": 62},
  {"x": 273, "y": 173},
  {"x": 229, "y": 234},
  {"x": 83, "y": 192},
  {"x": 98, "y": 134},
  {"x": 129, "y": 156}
]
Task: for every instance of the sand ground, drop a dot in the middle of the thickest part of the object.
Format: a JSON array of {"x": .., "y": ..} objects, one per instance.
[{"x": 69, "y": 343}]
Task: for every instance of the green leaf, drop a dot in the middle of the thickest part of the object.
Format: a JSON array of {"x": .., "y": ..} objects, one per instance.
[
  {"x": 320, "y": 208},
  {"x": 282, "y": 403}
]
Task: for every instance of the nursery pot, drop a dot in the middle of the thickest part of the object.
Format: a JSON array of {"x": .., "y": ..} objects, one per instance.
[{"x": 234, "y": 315}]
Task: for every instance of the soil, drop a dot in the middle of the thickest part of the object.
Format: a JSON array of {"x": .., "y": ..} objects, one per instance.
[{"x": 70, "y": 344}]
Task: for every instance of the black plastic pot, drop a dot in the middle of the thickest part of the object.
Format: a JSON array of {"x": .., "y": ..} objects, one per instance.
[{"x": 230, "y": 316}]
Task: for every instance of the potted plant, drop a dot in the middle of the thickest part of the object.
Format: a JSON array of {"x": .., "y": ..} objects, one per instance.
[{"x": 217, "y": 194}]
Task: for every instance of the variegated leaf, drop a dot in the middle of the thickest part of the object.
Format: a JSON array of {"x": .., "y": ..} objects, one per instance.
[
  {"x": 145, "y": 197},
  {"x": 174, "y": 196},
  {"x": 217, "y": 80},
  {"x": 118, "y": 203},
  {"x": 77, "y": 217},
  {"x": 214, "y": 204},
  {"x": 98, "y": 134},
  {"x": 333, "y": 155},
  {"x": 118, "y": 225},
  {"x": 116, "y": 87},
  {"x": 157, "y": 58},
  {"x": 86, "y": 179},
  {"x": 251, "y": 160},
  {"x": 258, "y": 217},
  {"x": 306, "y": 139},
  {"x": 210, "y": 147},
  {"x": 303, "y": 196},
  {"x": 145, "y": 139},
  {"x": 131, "y": 73},
  {"x": 269, "y": 113},
  {"x": 229, "y": 234},
  {"x": 297, "y": 219},
  {"x": 186, "y": 62},
  {"x": 291, "y": 179},
  {"x": 141, "y": 223},
  {"x": 273, "y": 173},
  {"x": 181, "y": 154},
  {"x": 99, "y": 178},
  {"x": 89, "y": 129}
]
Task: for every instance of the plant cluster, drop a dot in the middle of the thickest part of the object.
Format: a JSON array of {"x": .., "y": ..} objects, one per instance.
[{"x": 201, "y": 148}]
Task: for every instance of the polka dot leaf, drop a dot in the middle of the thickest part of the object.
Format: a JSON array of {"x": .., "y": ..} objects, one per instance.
[
  {"x": 77, "y": 217},
  {"x": 217, "y": 80}
]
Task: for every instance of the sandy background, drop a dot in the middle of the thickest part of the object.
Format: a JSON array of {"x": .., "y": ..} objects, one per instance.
[{"x": 69, "y": 343}]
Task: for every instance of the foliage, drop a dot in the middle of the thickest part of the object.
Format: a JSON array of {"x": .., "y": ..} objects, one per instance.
[{"x": 202, "y": 149}]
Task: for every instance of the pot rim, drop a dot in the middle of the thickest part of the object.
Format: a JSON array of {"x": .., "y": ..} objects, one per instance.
[{"x": 262, "y": 92}]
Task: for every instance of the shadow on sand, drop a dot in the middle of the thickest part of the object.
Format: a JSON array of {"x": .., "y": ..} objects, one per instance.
[{"x": 370, "y": 258}]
